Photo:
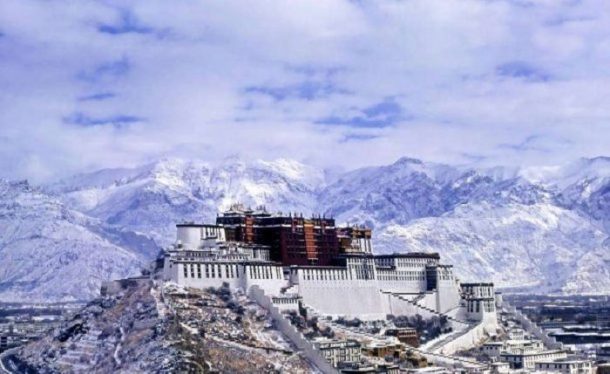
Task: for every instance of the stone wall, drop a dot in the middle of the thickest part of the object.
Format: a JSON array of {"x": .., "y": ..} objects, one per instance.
[
  {"x": 532, "y": 328},
  {"x": 349, "y": 298},
  {"x": 282, "y": 324}
]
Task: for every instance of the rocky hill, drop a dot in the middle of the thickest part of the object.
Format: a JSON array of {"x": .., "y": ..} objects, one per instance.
[
  {"x": 51, "y": 252},
  {"x": 140, "y": 327}
]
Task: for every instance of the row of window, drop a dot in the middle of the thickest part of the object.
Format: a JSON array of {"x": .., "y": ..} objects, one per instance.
[
  {"x": 401, "y": 276},
  {"x": 210, "y": 271},
  {"x": 474, "y": 306},
  {"x": 326, "y": 274},
  {"x": 265, "y": 272},
  {"x": 283, "y": 300},
  {"x": 230, "y": 271},
  {"x": 479, "y": 291},
  {"x": 365, "y": 272},
  {"x": 403, "y": 262}
]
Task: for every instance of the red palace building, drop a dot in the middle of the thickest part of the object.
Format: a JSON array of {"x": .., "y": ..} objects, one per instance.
[{"x": 293, "y": 240}]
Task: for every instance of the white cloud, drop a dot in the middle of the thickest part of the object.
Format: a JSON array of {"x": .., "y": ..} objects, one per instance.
[{"x": 92, "y": 84}]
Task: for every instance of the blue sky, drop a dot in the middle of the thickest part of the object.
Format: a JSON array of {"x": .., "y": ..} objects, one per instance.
[{"x": 91, "y": 84}]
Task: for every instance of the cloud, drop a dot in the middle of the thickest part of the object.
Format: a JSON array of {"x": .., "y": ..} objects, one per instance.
[
  {"x": 382, "y": 114},
  {"x": 94, "y": 84},
  {"x": 126, "y": 23},
  {"x": 97, "y": 96},
  {"x": 119, "y": 120},
  {"x": 111, "y": 69},
  {"x": 520, "y": 69}
]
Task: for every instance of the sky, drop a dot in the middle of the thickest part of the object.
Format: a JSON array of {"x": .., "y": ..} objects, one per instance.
[{"x": 92, "y": 84}]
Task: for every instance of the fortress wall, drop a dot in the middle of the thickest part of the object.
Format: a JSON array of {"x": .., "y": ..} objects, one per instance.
[
  {"x": 472, "y": 336},
  {"x": 429, "y": 300},
  {"x": 269, "y": 278},
  {"x": 349, "y": 298},
  {"x": 448, "y": 295},
  {"x": 399, "y": 307},
  {"x": 203, "y": 275},
  {"x": 401, "y": 281},
  {"x": 289, "y": 331},
  {"x": 195, "y": 275}
]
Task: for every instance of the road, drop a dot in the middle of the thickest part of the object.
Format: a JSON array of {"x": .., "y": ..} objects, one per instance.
[{"x": 9, "y": 364}]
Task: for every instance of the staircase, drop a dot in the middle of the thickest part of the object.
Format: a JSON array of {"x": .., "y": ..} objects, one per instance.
[
  {"x": 294, "y": 289},
  {"x": 415, "y": 302},
  {"x": 82, "y": 356}
]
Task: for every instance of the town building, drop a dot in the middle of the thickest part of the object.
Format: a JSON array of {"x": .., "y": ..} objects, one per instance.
[
  {"x": 496, "y": 348},
  {"x": 527, "y": 360},
  {"x": 480, "y": 300},
  {"x": 339, "y": 351},
  {"x": 567, "y": 366},
  {"x": 405, "y": 335}
]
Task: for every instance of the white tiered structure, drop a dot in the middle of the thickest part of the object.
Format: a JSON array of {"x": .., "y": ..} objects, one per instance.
[{"x": 361, "y": 285}]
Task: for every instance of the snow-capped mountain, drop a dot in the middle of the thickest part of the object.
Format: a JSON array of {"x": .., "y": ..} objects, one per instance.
[
  {"x": 584, "y": 185},
  {"x": 151, "y": 199},
  {"x": 50, "y": 252},
  {"x": 545, "y": 228},
  {"x": 411, "y": 189},
  {"x": 540, "y": 246}
]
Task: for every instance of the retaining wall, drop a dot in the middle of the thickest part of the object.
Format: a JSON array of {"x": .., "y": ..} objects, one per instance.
[{"x": 282, "y": 324}]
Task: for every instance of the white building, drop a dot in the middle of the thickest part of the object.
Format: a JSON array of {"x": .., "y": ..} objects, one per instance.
[
  {"x": 567, "y": 366},
  {"x": 527, "y": 360},
  {"x": 337, "y": 351},
  {"x": 360, "y": 284},
  {"x": 495, "y": 349},
  {"x": 480, "y": 300}
]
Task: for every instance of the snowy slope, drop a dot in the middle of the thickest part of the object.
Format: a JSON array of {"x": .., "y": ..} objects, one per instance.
[
  {"x": 52, "y": 253},
  {"x": 540, "y": 246},
  {"x": 153, "y": 198},
  {"x": 411, "y": 189}
]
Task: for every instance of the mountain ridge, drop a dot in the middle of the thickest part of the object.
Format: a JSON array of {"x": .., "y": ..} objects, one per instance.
[{"x": 479, "y": 213}]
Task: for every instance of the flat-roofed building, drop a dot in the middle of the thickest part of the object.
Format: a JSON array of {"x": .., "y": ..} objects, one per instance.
[
  {"x": 480, "y": 300},
  {"x": 567, "y": 366},
  {"x": 338, "y": 351},
  {"x": 405, "y": 335},
  {"x": 527, "y": 360}
]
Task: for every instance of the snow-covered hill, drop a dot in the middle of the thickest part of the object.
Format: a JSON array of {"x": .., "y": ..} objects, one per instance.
[
  {"x": 151, "y": 199},
  {"x": 50, "y": 252},
  {"x": 545, "y": 228},
  {"x": 540, "y": 246}
]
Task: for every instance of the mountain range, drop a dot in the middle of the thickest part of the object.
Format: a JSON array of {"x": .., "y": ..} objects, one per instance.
[{"x": 540, "y": 229}]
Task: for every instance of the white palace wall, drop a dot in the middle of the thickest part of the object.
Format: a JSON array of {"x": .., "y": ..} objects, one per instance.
[
  {"x": 401, "y": 307},
  {"x": 402, "y": 281},
  {"x": 336, "y": 292},
  {"x": 447, "y": 295},
  {"x": 362, "y": 289},
  {"x": 268, "y": 277}
]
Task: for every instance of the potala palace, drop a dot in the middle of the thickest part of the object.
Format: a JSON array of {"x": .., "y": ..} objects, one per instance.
[{"x": 332, "y": 270}]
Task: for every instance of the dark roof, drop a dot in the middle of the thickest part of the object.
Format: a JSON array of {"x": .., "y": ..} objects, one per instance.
[
  {"x": 432, "y": 255},
  {"x": 192, "y": 224}
]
